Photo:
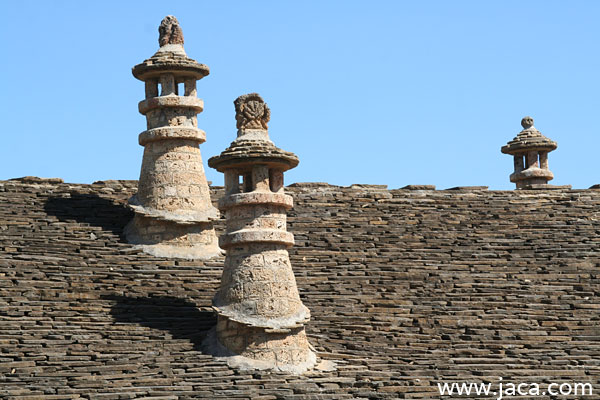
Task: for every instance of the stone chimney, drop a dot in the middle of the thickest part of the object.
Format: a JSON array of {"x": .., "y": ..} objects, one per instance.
[
  {"x": 260, "y": 315},
  {"x": 530, "y": 151},
  {"x": 173, "y": 210}
]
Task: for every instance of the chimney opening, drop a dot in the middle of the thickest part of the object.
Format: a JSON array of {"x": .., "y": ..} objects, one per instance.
[{"x": 247, "y": 182}]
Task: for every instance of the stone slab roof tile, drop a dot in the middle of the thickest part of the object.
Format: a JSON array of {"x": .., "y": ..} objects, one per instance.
[{"x": 406, "y": 290}]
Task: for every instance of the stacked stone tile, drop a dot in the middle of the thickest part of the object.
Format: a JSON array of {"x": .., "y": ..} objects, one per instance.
[
  {"x": 530, "y": 151},
  {"x": 260, "y": 315},
  {"x": 173, "y": 211},
  {"x": 406, "y": 288}
]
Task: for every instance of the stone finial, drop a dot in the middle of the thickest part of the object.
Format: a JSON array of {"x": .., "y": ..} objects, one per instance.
[
  {"x": 527, "y": 122},
  {"x": 251, "y": 112},
  {"x": 170, "y": 32}
]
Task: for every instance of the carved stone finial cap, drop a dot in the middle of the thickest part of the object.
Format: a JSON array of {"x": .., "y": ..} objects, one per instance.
[
  {"x": 251, "y": 112},
  {"x": 169, "y": 31},
  {"x": 528, "y": 139},
  {"x": 527, "y": 122},
  {"x": 170, "y": 58},
  {"x": 252, "y": 145}
]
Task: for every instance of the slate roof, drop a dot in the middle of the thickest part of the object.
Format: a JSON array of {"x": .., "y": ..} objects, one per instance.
[{"x": 406, "y": 288}]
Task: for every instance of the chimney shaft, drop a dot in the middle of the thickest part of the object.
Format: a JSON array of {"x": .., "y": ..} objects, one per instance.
[
  {"x": 173, "y": 209},
  {"x": 260, "y": 315}
]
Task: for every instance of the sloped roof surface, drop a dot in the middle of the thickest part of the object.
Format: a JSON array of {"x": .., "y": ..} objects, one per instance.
[{"x": 407, "y": 288}]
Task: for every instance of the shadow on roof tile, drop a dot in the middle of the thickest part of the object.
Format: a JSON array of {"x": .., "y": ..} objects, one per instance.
[
  {"x": 90, "y": 209},
  {"x": 181, "y": 318}
]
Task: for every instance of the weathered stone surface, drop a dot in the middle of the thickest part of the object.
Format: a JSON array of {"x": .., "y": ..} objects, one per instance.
[
  {"x": 367, "y": 186},
  {"x": 419, "y": 187},
  {"x": 169, "y": 31},
  {"x": 251, "y": 112},
  {"x": 544, "y": 186},
  {"x": 252, "y": 145},
  {"x": 529, "y": 139},
  {"x": 310, "y": 184},
  {"x": 170, "y": 57},
  {"x": 405, "y": 290},
  {"x": 173, "y": 210},
  {"x": 36, "y": 179},
  {"x": 468, "y": 188}
]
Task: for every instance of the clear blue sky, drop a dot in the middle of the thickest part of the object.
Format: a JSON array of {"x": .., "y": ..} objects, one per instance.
[{"x": 380, "y": 92}]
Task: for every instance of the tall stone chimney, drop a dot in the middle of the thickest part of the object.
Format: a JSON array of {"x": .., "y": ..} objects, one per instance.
[
  {"x": 173, "y": 210},
  {"x": 260, "y": 315},
  {"x": 530, "y": 151}
]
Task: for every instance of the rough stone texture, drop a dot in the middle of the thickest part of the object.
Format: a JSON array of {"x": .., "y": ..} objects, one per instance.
[
  {"x": 530, "y": 151},
  {"x": 260, "y": 315},
  {"x": 36, "y": 179},
  {"x": 251, "y": 112},
  {"x": 468, "y": 188},
  {"x": 173, "y": 211},
  {"x": 252, "y": 145},
  {"x": 406, "y": 288},
  {"x": 419, "y": 187},
  {"x": 169, "y": 31}
]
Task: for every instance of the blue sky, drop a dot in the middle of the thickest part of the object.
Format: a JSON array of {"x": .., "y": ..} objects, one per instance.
[{"x": 380, "y": 92}]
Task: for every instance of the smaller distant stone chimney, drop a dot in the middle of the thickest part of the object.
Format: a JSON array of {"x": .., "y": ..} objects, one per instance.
[
  {"x": 260, "y": 315},
  {"x": 173, "y": 209},
  {"x": 530, "y": 151}
]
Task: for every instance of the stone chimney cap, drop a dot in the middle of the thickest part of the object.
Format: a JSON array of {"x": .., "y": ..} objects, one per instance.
[
  {"x": 528, "y": 139},
  {"x": 170, "y": 57},
  {"x": 252, "y": 145}
]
